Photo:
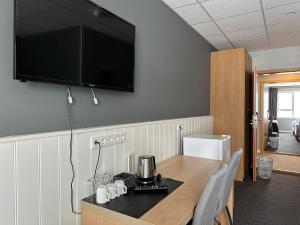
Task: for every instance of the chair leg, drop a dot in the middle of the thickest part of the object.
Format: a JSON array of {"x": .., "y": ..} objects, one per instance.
[
  {"x": 218, "y": 222},
  {"x": 229, "y": 216}
]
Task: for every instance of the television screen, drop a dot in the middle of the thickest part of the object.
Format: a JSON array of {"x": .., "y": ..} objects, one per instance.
[{"x": 73, "y": 42}]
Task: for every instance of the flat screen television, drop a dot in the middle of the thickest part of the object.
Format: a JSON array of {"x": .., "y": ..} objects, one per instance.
[{"x": 73, "y": 42}]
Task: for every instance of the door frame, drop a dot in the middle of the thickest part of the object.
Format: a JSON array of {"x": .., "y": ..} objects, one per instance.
[
  {"x": 254, "y": 123},
  {"x": 272, "y": 76}
]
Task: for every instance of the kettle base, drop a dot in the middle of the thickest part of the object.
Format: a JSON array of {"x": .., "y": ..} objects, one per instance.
[{"x": 145, "y": 181}]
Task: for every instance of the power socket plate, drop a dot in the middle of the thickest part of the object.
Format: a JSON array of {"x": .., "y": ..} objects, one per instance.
[{"x": 108, "y": 140}]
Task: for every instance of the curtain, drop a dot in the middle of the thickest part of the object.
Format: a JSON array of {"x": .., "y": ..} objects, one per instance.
[{"x": 273, "y": 95}]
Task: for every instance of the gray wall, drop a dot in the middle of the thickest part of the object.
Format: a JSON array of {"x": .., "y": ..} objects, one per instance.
[
  {"x": 280, "y": 58},
  {"x": 171, "y": 77}
]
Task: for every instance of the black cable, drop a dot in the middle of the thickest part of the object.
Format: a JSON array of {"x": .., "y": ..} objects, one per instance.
[
  {"x": 71, "y": 161},
  {"x": 97, "y": 164}
]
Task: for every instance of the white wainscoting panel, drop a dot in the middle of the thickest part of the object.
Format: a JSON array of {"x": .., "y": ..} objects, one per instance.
[
  {"x": 7, "y": 186},
  {"x": 36, "y": 173},
  {"x": 49, "y": 181},
  {"x": 28, "y": 183}
]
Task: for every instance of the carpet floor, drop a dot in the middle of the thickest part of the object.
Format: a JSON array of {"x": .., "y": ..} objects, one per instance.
[
  {"x": 287, "y": 144},
  {"x": 271, "y": 202}
]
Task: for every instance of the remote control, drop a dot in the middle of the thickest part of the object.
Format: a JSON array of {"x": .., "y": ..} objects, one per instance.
[{"x": 151, "y": 188}]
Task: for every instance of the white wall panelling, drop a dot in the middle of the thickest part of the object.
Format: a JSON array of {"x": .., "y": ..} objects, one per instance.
[
  {"x": 35, "y": 169},
  {"x": 8, "y": 183}
]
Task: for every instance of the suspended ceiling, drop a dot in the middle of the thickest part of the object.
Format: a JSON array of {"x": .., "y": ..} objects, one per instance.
[{"x": 252, "y": 24}]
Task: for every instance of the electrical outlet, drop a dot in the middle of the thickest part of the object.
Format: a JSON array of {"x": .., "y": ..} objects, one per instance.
[
  {"x": 111, "y": 140},
  {"x": 120, "y": 138},
  {"x": 108, "y": 140}
]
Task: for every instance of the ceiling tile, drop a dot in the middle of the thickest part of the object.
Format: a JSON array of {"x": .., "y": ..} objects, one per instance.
[
  {"x": 178, "y": 3},
  {"x": 287, "y": 40},
  {"x": 218, "y": 40},
  {"x": 284, "y": 44},
  {"x": 252, "y": 45},
  {"x": 207, "y": 29},
  {"x": 279, "y": 14},
  {"x": 284, "y": 28},
  {"x": 275, "y": 3},
  {"x": 242, "y": 22},
  {"x": 245, "y": 35},
  {"x": 193, "y": 14},
  {"x": 223, "y": 46},
  {"x": 219, "y": 9},
  {"x": 286, "y": 37}
]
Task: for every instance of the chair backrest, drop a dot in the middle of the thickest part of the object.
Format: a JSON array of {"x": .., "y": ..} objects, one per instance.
[
  {"x": 229, "y": 179},
  {"x": 207, "y": 205}
]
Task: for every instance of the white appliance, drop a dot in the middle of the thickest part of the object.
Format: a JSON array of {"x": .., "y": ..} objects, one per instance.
[{"x": 207, "y": 146}]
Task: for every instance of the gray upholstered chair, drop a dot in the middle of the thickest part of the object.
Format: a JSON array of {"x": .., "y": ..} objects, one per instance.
[
  {"x": 228, "y": 183},
  {"x": 205, "y": 211}
]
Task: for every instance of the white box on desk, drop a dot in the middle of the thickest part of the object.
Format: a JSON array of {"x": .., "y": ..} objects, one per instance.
[{"x": 207, "y": 146}]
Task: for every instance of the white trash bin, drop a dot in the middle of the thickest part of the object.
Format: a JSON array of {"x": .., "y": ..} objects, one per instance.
[
  {"x": 274, "y": 142},
  {"x": 264, "y": 167}
]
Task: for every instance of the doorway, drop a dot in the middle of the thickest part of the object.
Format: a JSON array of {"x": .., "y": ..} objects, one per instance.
[
  {"x": 279, "y": 112},
  {"x": 283, "y": 113}
]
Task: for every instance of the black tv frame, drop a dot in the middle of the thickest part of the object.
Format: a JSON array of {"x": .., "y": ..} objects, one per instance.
[{"x": 62, "y": 82}]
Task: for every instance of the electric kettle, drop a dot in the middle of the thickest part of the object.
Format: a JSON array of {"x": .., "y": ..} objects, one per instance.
[{"x": 146, "y": 169}]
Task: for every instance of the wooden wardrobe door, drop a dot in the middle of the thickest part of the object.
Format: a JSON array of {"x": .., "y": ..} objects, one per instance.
[{"x": 230, "y": 98}]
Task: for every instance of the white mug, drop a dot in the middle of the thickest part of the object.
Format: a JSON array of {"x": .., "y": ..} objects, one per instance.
[
  {"x": 120, "y": 185},
  {"x": 112, "y": 191},
  {"x": 102, "y": 195}
]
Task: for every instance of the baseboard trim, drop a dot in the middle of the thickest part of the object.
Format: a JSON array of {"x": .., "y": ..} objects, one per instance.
[
  {"x": 281, "y": 153},
  {"x": 286, "y": 172}
]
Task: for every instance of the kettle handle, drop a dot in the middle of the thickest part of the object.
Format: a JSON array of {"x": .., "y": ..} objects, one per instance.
[{"x": 154, "y": 164}]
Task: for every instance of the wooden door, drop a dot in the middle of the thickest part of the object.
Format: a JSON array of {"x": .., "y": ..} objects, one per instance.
[{"x": 254, "y": 124}]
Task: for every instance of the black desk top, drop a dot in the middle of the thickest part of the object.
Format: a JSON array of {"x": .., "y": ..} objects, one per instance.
[{"x": 137, "y": 204}]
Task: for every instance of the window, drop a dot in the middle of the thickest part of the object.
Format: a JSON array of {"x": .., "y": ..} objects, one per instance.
[
  {"x": 289, "y": 104},
  {"x": 285, "y": 104}
]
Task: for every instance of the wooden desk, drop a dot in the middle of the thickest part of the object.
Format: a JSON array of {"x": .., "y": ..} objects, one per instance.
[{"x": 176, "y": 209}]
